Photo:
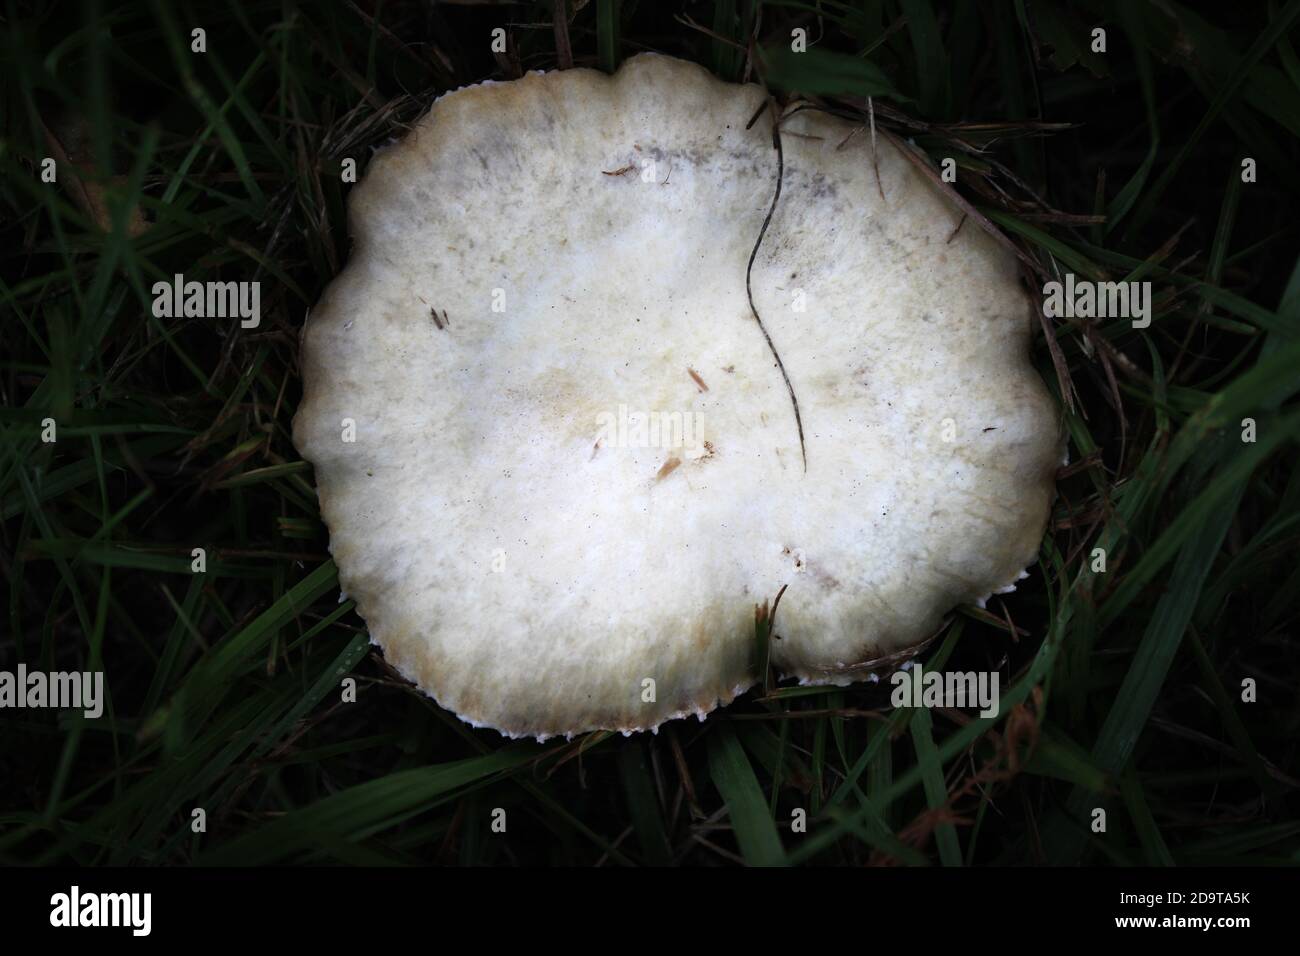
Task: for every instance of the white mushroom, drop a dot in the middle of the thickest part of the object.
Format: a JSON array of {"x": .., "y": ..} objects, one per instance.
[{"x": 590, "y": 437}]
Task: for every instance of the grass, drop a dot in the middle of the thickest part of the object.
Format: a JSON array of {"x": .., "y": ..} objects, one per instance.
[{"x": 1122, "y": 688}]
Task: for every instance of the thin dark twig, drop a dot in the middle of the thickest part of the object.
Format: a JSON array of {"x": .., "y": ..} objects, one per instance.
[
  {"x": 560, "y": 22},
  {"x": 749, "y": 270}
]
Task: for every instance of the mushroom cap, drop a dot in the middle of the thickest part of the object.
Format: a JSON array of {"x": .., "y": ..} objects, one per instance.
[{"x": 576, "y": 467}]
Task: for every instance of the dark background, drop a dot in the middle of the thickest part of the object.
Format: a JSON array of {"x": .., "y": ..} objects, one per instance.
[{"x": 175, "y": 434}]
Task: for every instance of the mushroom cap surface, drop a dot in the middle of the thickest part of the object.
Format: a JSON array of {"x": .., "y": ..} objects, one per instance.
[{"x": 574, "y": 466}]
